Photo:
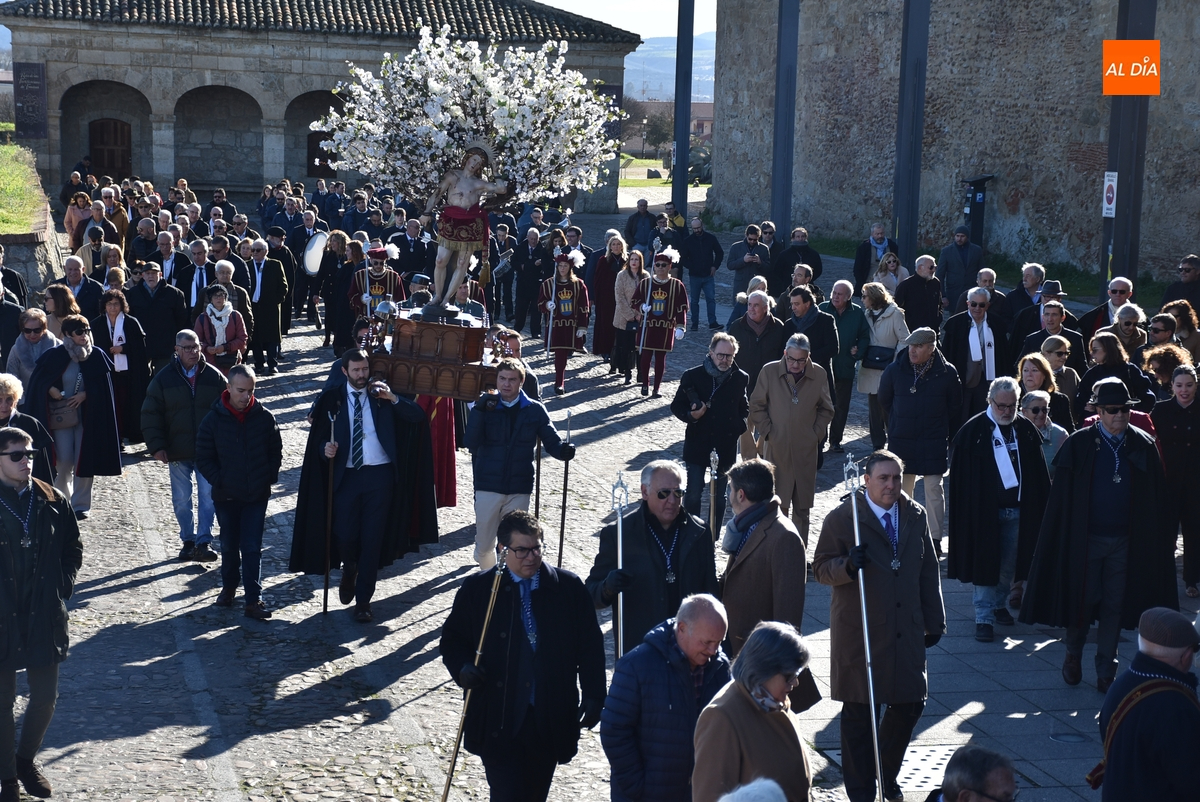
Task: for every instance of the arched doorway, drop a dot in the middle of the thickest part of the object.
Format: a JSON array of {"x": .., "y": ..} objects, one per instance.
[
  {"x": 219, "y": 139},
  {"x": 110, "y": 122},
  {"x": 304, "y": 159}
]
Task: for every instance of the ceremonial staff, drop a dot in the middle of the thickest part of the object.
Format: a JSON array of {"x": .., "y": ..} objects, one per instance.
[
  {"x": 550, "y": 309},
  {"x": 487, "y": 619},
  {"x": 713, "y": 523},
  {"x": 562, "y": 523},
  {"x": 620, "y": 497},
  {"x": 852, "y": 484},
  {"x": 645, "y": 315},
  {"x": 329, "y": 517},
  {"x": 537, "y": 482}
]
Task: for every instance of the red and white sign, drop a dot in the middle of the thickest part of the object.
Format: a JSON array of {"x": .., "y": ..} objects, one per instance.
[{"x": 1110, "y": 195}]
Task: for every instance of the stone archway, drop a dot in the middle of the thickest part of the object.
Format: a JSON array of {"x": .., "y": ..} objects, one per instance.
[
  {"x": 219, "y": 139},
  {"x": 93, "y": 110},
  {"x": 299, "y": 141}
]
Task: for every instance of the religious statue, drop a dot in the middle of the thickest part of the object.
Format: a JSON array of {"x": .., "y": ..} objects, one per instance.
[{"x": 463, "y": 223}]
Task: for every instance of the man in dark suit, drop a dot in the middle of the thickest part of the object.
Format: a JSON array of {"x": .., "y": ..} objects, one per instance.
[
  {"x": 169, "y": 258},
  {"x": 574, "y": 235},
  {"x": 533, "y": 265},
  {"x": 193, "y": 278},
  {"x": 1120, "y": 290},
  {"x": 546, "y": 648},
  {"x": 335, "y": 204},
  {"x": 413, "y": 256},
  {"x": 219, "y": 249},
  {"x": 13, "y": 281},
  {"x": 296, "y": 242},
  {"x": 870, "y": 251},
  {"x": 501, "y": 290},
  {"x": 1053, "y": 322},
  {"x": 289, "y": 218},
  {"x": 162, "y": 311},
  {"x": 268, "y": 291},
  {"x": 86, "y": 291},
  {"x": 959, "y": 263},
  {"x": 974, "y": 343},
  {"x": 10, "y": 327},
  {"x": 240, "y": 229},
  {"x": 221, "y": 201},
  {"x": 1029, "y": 320},
  {"x": 1029, "y": 293}
]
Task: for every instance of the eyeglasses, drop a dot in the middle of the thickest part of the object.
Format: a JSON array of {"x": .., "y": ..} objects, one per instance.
[
  {"x": 1127, "y": 323},
  {"x": 1061, "y": 354},
  {"x": 1114, "y": 410},
  {"x": 34, "y": 331},
  {"x": 1154, "y": 330},
  {"x": 17, "y": 456},
  {"x": 719, "y": 355},
  {"x": 1004, "y": 407},
  {"x": 522, "y": 553},
  {"x": 662, "y": 264},
  {"x": 794, "y": 360},
  {"x": 1036, "y": 410},
  {"x": 670, "y": 491},
  {"x": 1118, "y": 292},
  {"x": 1186, "y": 269},
  {"x": 84, "y": 330},
  {"x": 977, "y": 305}
]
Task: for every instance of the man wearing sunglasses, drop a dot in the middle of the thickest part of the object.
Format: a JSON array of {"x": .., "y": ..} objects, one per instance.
[
  {"x": 668, "y": 555},
  {"x": 39, "y": 538},
  {"x": 1188, "y": 286},
  {"x": 1096, "y": 558},
  {"x": 974, "y": 343},
  {"x": 540, "y": 677},
  {"x": 1120, "y": 291}
]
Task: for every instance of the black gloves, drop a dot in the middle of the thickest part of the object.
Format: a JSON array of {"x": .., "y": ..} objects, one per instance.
[
  {"x": 471, "y": 676},
  {"x": 931, "y": 639},
  {"x": 567, "y": 451},
  {"x": 856, "y": 560},
  {"x": 488, "y": 401},
  {"x": 589, "y": 713},
  {"x": 617, "y": 580}
]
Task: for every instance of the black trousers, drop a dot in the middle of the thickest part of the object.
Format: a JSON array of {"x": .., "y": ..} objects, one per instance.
[
  {"x": 360, "y": 514},
  {"x": 527, "y": 295},
  {"x": 695, "y": 492},
  {"x": 843, "y": 388},
  {"x": 524, "y": 769},
  {"x": 877, "y": 421},
  {"x": 504, "y": 293},
  {"x": 858, "y": 753}
]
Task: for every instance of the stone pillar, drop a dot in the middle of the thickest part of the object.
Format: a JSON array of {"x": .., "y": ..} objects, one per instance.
[
  {"x": 53, "y": 169},
  {"x": 273, "y": 151},
  {"x": 162, "y": 149}
]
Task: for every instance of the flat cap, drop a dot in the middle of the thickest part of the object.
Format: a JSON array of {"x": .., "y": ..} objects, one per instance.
[
  {"x": 921, "y": 336},
  {"x": 1168, "y": 628}
]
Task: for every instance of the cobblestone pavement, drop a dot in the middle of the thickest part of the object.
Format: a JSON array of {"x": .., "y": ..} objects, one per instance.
[{"x": 165, "y": 697}]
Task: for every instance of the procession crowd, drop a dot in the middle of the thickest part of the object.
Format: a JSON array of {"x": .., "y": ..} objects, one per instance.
[{"x": 1055, "y": 454}]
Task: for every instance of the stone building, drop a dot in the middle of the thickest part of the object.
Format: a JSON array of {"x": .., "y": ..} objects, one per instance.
[
  {"x": 223, "y": 91},
  {"x": 1013, "y": 88}
]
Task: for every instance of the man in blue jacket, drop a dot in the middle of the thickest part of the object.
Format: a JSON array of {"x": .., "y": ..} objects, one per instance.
[
  {"x": 657, "y": 693},
  {"x": 502, "y": 434}
]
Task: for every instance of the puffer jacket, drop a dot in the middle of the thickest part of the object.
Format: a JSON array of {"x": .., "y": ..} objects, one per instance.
[
  {"x": 503, "y": 441},
  {"x": 239, "y": 459},
  {"x": 920, "y": 424},
  {"x": 650, "y": 716},
  {"x": 172, "y": 411}
]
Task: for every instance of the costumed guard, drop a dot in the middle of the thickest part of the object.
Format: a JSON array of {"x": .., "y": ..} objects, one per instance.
[
  {"x": 660, "y": 304},
  {"x": 373, "y": 283},
  {"x": 383, "y": 497},
  {"x": 565, "y": 299}
]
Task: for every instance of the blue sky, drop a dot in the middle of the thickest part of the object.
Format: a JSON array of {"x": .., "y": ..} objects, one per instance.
[{"x": 646, "y": 19}]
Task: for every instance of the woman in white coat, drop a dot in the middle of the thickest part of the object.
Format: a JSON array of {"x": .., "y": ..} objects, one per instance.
[{"x": 888, "y": 332}]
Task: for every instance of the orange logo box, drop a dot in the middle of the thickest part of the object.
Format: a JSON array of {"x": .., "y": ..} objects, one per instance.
[{"x": 1131, "y": 67}]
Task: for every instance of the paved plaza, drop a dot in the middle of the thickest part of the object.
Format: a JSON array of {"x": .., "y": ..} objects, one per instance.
[{"x": 165, "y": 697}]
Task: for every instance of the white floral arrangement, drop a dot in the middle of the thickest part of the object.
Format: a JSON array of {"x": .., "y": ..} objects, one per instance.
[{"x": 408, "y": 126}]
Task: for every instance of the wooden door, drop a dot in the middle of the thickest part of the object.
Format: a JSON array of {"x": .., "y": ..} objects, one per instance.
[{"x": 109, "y": 145}]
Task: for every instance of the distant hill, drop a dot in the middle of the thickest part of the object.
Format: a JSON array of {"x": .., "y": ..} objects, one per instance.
[{"x": 650, "y": 70}]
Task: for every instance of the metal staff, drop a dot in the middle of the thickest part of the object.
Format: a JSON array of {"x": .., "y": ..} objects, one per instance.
[
  {"x": 562, "y": 523},
  {"x": 537, "y": 483},
  {"x": 850, "y": 472},
  {"x": 329, "y": 517},
  {"x": 550, "y": 312},
  {"x": 713, "y": 523},
  {"x": 462, "y": 720},
  {"x": 620, "y": 497}
]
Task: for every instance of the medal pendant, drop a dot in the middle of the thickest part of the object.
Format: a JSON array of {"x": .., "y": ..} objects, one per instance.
[
  {"x": 1117, "y": 478},
  {"x": 670, "y": 577},
  {"x": 895, "y": 563},
  {"x": 795, "y": 400},
  {"x": 913, "y": 389},
  {"x": 26, "y": 542}
]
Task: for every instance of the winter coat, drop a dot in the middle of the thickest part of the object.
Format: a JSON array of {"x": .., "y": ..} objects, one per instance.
[
  {"x": 503, "y": 442},
  {"x": 1139, "y": 385},
  {"x": 57, "y": 554},
  {"x": 722, "y": 423},
  {"x": 865, "y": 262},
  {"x": 137, "y": 373},
  {"x": 973, "y": 509},
  {"x": 240, "y": 459},
  {"x": 626, "y": 286},
  {"x": 755, "y": 350},
  {"x": 921, "y": 300},
  {"x": 570, "y": 650},
  {"x": 162, "y": 316},
  {"x": 173, "y": 409},
  {"x": 888, "y": 330},
  {"x": 853, "y": 332},
  {"x": 1056, "y": 589},
  {"x": 902, "y": 606},
  {"x": 700, "y": 254},
  {"x": 765, "y": 581},
  {"x": 956, "y": 274},
  {"x": 783, "y": 265},
  {"x": 956, "y": 345},
  {"x": 742, "y": 270},
  {"x": 650, "y": 717},
  {"x": 1178, "y": 431},
  {"x": 921, "y": 423},
  {"x": 792, "y": 433},
  {"x": 738, "y": 742},
  {"x": 100, "y": 450},
  {"x": 647, "y": 602}
]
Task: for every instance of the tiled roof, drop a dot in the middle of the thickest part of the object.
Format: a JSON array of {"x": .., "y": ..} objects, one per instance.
[{"x": 480, "y": 20}]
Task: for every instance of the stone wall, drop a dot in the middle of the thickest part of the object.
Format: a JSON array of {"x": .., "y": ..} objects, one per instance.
[
  {"x": 36, "y": 255},
  {"x": 1013, "y": 89}
]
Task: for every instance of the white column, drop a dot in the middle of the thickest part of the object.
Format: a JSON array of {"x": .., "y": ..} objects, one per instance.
[
  {"x": 162, "y": 149},
  {"x": 273, "y": 150}
]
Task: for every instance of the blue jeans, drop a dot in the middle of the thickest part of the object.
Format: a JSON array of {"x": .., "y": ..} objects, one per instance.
[
  {"x": 990, "y": 598},
  {"x": 241, "y": 545},
  {"x": 738, "y": 311},
  {"x": 181, "y": 500},
  {"x": 708, "y": 286}
]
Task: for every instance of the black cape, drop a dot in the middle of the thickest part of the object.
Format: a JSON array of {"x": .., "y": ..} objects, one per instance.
[
  {"x": 412, "y": 518},
  {"x": 1055, "y": 593},
  {"x": 974, "y": 546}
]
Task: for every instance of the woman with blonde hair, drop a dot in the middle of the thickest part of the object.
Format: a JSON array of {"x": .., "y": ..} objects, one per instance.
[
  {"x": 1128, "y": 327},
  {"x": 624, "y": 319},
  {"x": 888, "y": 333},
  {"x": 890, "y": 273},
  {"x": 1056, "y": 349}
]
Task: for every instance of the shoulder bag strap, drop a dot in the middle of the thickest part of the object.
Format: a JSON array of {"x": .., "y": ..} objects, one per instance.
[{"x": 1095, "y": 777}]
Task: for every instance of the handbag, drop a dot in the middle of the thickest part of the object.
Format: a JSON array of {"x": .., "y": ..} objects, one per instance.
[
  {"x": 61, "y": 414},
  {"x": 878, "y": 357}
]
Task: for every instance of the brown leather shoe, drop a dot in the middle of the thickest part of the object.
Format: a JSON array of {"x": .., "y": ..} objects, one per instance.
[
  {"x": 362, "y": 614},
  {"x": 346, "y": 586},
  {"x": 30, "y": 775},
  {"x": 1072, "y": 670},
  {"x": 257, "y": 610}
]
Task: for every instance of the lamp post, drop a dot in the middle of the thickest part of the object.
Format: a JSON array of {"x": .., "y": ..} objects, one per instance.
[{"x": 644, "y": 121}]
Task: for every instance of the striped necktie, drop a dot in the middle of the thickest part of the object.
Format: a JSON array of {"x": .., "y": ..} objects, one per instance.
[{"x": 356, "y": 436}]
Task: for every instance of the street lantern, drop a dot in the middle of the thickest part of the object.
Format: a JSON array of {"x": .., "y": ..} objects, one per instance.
[{"x": 644, "y": 122}]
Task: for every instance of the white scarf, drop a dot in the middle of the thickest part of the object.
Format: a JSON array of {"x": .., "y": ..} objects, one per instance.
[
  {"x": 258, "y": 271},
  {"x": 989, "y": 342},
  {"x": 1000, "y": 451},
  {"x": 116, "y": 332},
  {"x": 219, "y": 319}
]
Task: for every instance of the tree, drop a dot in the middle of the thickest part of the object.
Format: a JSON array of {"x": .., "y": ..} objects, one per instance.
[{"x": 661, "y": 129}]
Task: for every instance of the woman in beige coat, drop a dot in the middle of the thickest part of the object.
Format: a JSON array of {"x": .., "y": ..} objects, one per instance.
[
  {"x": 888, "y": 330},
  {"x": 627, "y": 283},
  {"x": 748, "y": 731},
  {"x": 791, "y": 408}
]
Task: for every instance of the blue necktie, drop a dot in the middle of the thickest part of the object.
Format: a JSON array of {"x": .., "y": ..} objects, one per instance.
[
  {"x": 356, "y": 436},
  {"x": 890, "y": 529},
  {"x": 527, "y": 611}
]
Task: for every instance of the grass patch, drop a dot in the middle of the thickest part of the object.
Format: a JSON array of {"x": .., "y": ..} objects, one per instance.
[
  {"x": 834, "y": 246},
  {"x": 8, "y": 127},
  {"x": 1080, "y": 285},
  {"x": 21, "y": 195}
]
